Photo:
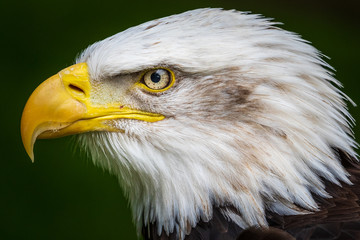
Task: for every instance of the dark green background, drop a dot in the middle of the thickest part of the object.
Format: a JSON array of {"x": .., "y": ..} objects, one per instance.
[{"x": 62, "y": 195}]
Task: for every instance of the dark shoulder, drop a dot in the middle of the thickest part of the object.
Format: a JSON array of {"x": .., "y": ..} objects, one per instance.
[
  {"x": 218, "y": 228},
  {"x": 338, "y": 217}
]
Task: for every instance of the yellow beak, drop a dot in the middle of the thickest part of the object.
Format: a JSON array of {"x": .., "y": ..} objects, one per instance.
[{"x": 61, "y": 106}]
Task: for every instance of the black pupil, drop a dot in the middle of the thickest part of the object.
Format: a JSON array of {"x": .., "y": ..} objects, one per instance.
[{"x": 155, "y": 77}]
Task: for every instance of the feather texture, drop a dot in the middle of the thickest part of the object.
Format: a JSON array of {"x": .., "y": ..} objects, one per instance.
[
  {"x": 251, "y": 124},
  {"x": 338, "y": 218}
]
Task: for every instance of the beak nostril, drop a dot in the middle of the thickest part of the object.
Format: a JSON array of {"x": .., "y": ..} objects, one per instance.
[{"x": 76, "y": 90}]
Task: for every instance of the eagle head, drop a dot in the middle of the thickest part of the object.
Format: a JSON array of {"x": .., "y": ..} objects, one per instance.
[{"x": 202, "y": 110}]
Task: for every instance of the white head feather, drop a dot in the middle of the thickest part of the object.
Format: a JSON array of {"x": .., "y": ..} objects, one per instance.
[{"x": 250, "y": 123}]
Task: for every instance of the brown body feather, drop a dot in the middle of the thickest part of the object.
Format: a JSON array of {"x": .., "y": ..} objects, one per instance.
[{"x": 337, "y": 219}]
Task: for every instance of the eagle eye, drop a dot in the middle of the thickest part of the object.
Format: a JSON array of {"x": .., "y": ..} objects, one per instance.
[{"x": 159, "y": 79}]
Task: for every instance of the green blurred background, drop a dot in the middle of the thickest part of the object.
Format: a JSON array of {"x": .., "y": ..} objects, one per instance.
[{"x": 62, "y": 195}]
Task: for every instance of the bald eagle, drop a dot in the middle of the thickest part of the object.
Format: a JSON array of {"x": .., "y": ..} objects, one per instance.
[{"x": 218, "y": 125}]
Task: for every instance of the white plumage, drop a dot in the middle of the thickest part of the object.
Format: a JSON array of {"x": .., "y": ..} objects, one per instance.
[{"x": 250, "y": 122}]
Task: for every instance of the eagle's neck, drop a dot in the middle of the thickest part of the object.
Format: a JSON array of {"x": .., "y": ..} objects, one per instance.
[
  {"x": 178, "y": 178},
  {"x": 335, "y": 215}
]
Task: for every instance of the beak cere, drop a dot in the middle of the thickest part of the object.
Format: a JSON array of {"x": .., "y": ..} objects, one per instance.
[{"x": 61, "y": 106}]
